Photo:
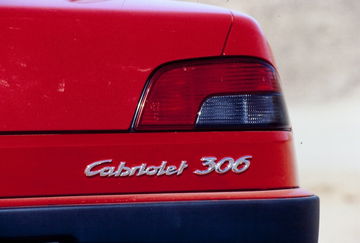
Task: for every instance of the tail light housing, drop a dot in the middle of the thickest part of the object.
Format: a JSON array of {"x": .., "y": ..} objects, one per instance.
[{"x": 237, "y": 93}]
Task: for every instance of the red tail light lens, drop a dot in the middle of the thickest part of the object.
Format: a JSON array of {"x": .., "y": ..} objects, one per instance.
[{"x": 223, "y": 93}]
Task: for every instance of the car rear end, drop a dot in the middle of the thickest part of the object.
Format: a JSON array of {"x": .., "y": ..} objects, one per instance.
[{"x": 139, "y": 121}]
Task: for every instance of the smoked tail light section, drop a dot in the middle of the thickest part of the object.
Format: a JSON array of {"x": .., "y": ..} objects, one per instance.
[{"x": 234, "y": 93}]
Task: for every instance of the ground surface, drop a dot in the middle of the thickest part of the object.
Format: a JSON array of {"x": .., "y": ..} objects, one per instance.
[{"x": 316, "y": 45}]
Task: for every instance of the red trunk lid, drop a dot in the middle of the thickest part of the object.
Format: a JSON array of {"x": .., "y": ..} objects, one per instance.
[{"x": 71, "y": 66}]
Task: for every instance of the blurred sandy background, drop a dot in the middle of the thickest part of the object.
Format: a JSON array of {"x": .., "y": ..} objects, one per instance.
[{"x": 317, "y": 48}]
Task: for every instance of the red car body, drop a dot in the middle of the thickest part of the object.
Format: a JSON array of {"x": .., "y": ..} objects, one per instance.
[{"x": 72, "y": 75}]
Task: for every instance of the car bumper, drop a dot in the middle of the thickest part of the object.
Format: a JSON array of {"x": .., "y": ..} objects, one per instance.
[{"x": 292, "y": 219}]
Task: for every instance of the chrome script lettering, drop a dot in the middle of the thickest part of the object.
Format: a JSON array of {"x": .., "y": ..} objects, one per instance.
[{"x": 122, "y": 170}]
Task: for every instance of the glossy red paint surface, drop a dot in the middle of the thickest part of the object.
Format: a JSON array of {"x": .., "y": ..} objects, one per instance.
[
  {"x": 71, "y": 65},
  {"x": 152, "y": 197},
  {"x": 50, "y": 165},
  {"x": 65, "y": 66},
  {"x": 246, "y": 38}
]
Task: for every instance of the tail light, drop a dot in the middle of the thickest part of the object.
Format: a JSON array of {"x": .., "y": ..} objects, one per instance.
[{"x": 239, "y": 93}]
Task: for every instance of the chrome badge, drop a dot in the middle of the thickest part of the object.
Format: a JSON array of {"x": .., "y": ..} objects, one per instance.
[
  {"x": 105, "y": 168},
  {"x": 122, "y": 170}
]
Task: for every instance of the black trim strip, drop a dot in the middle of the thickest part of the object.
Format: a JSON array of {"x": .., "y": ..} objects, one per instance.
[{"x": 292, "y": 220}]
